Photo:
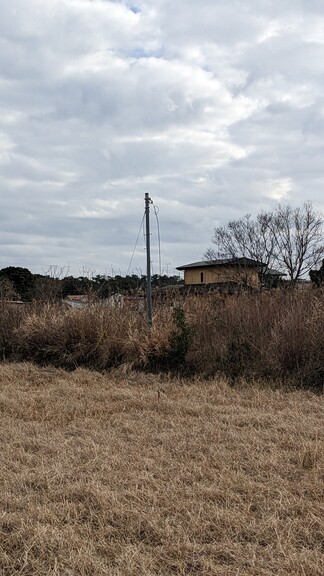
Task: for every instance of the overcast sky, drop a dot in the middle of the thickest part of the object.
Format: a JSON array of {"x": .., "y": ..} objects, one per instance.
[{"x": 214, "y": 107}]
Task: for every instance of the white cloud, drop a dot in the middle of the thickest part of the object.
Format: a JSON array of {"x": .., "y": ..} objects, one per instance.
[
  {"x": 279, "y": 189},
  {"x": 214, "y": 108}
]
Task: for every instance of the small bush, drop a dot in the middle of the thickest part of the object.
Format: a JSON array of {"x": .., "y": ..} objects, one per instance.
[{"x": 180, "y": 341}]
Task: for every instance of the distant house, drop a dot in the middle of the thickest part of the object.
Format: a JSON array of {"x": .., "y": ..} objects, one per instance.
[
  {"x": 76, "y": 300},
  {"x": 226, "y": 273},
  {"x": 239, "y": 271}
]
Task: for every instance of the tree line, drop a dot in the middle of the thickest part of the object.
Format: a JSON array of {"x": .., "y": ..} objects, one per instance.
[{"x": 19, "y": 283}]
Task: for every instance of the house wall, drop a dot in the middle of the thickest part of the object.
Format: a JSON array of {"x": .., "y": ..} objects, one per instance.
[{"x": 218, "y": 274}]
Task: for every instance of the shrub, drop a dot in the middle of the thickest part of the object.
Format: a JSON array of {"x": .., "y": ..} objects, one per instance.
[{"x": 180, "y": 340}]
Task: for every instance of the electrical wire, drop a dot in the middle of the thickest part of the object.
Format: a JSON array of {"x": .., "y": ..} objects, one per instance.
[
  {"x": 135, "y": 246},
  {"x": 156, "y": 212}
]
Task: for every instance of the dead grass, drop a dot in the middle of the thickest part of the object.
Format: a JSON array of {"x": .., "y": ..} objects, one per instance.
[
  {"x": 134, "y": 474},
  {"x": 276, "y": 336},
  {"x": 97, "y": 337}
]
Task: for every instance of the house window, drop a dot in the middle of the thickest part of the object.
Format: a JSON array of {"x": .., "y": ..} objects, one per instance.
[{"x": 201, "y": 276}]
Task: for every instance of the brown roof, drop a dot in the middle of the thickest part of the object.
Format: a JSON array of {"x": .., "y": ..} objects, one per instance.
[{"x": 223, "y": 262}]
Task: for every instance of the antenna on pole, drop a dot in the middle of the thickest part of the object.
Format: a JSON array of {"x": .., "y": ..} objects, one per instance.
[{"x": 148, "y": 201}]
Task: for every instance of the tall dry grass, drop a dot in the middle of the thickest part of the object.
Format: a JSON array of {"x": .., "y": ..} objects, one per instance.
[
  {"x": 97, "y": 336},
  {"x": 147, "y": 475},
  {"x": 277, "y": 335}
]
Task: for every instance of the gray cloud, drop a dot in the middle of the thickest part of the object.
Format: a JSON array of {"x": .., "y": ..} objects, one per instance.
[{"x": 215, "y": 109}]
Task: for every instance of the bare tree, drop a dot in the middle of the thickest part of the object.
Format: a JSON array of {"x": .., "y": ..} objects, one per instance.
[
  {"x": 48, "y": 285},
  {"x": 298, "y": 233},
  {"x": 246, "y": 237},
  {"x": 289, "y": 239}
]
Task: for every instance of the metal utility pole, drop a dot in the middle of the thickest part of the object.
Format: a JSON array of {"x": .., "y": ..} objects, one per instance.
[{"x": 148, "y": 201}]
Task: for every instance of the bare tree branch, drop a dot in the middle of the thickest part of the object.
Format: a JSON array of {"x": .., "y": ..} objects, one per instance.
[
  {"x": 290, "y": 239},
  {"x": 299, "y": 237},
  {"x": 246, "y": 238}
]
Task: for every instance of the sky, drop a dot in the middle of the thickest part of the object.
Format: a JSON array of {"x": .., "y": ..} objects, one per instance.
[{"x": 215, "y": 108}]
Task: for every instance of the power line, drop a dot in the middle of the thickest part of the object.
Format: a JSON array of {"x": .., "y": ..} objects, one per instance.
[
  {"x": 135, "y": 246},
  {"x": 156, "y": 212}
]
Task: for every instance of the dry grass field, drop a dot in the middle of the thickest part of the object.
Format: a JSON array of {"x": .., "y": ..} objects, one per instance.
[
  {"x": 134, "y": 474},
  {"x": 275, "y": 336}
]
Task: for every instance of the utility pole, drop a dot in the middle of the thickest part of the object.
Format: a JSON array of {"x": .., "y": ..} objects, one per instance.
[{"x": 148, "y": 201}]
